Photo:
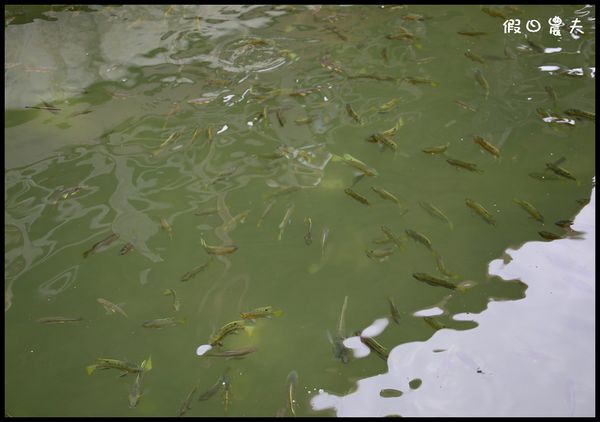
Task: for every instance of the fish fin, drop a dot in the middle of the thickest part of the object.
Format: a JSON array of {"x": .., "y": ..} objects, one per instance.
[
  {"x": 90, "y": 369},
  {"x": 147, "y": 364}
]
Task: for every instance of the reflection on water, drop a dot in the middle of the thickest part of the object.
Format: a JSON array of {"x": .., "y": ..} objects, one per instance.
[
  {"x": 532, "y": 357},
  {"x": 244, "y": 126}
]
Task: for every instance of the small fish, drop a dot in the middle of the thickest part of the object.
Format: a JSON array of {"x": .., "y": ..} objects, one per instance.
[
  {"x": 264, "y": 214},
  {"x": 125, "y": 367},
  {"x": 287, "y": 218},
  {"x": 439, "y": 262},
  {"x": 464, "y": 164},
  {"x": 280, "y": 119},
  {"x": 126, "y": 248},
  {"x": 472, "y": 33},
  {"x": 530, "y": 209},
  {"x": 104, "y": 242},
  {"x": 565, "y": 224},
  {"x": 292, "y": 380},
  {"x": 357, "y": 196},
  {"x": 487, "y": 146},
  {"x": 549, "y": 235},
  {"x": 437, "y": 149},
  {"x": 438, "y": 282},
  {"x": 394, "y": 311},
  {"x": 435, "y": 212},
  {"x": 308, "y": 235},
  {"x": 494, "y": 12},
  {"x": 479, "y": 209},
  {"x": 386, "y": 195},
  {"x": 234, "y": 353},
  {"x": 111, "y": 307},
  {"x": 482, "y": 82},
  {"x": 392, "y": 237},
  {"x": 195, "y": 271},
  {"x": 560, "y": 171},
  {"x": 385, "y": 107},
  {"x": 185, "y": 406},
  {"x": 383, "y": 140},
  {"x": 176, "y": 303},
  {"x": 227, "y": 329},
  {"x": 433, "y": 323},
  {"x": 163, "y": 322},
  {"x": 474, "y": 57},
  {"x": 218, "y": 250},
  {"x": 356, "y": 163},
  {"x": 264, "y": 312},
  {"x": 465, "y": 106},
  {"x": 543, "y": 176},
  {"x": 57, "y": 320},
  {"x": 580, "y": 113},
  {"x": 206, "y": 211},
  {"x": 136, "y": 391},
  {"x": 324, "y": 237},
  {"x": 379, "y": 254},
  {"x": 165, "y": 225},
  {"x": 373, "y": 345},
  {"x": 353, "y": 114},
  {"x": 421, "y": 238}
]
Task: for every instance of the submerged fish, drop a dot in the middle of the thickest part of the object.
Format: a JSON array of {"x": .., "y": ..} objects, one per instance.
[
  {"x": 438, "y": 282},
  {"x": 580, "y": 113},
  {"x": 176, "y": 303},
  {"x": 357, "y": 196},
  {"x": 227, "y": 329},
  {"x": 394, "y": 311},
  {"x": 549, "y": 235},
  {"x": 530, "y": 209},
  {"x": 464, "y": 165},
  {"x": 125, "y": 367},
  {"x": 308, "y": 235},
  {"x": 185, "y": 406},
  {"x": 264, "y": 312},
  {"x": 292, "y": 380},
  {"x": 103, "y": 242},
  {"x": 136, "y": 391},
  {"x": 111, "y": 307},
  {"x": 234, "y": 353},
  {"x": 196, "y": 270},
  {"x": 165, "y": 225},
  {"x": 266, "y": 211},
  {"x": 479, "y": 209},
  {"x": 482, "y": 82},
  {"x": 324, "y": 237},
  {"x": 487, "y": 146},
  {"x": 437, "y": 149},
  {"x": 421, "y": 238},
  {"x": 57, "y": 320},
  {"x": 436, "y": 212},
  {"x": 163, "y": 322},
  {"x": 218, "y": 250},
  {"x": 353, "y": 114},
  {"x": 287, "y": 218},
  {"x": 373, "y": 345}
]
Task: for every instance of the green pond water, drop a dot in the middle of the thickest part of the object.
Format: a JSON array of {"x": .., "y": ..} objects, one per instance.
[{"x": 157, "y": 112}]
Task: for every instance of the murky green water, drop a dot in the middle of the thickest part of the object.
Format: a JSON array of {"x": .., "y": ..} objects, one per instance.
[{"x": 160, "y": 112}]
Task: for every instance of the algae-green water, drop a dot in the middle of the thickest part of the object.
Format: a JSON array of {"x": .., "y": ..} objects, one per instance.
[{"x": 202, "y": 116}]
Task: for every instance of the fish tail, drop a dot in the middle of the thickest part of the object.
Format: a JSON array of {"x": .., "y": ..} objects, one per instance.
[{"x": 90, "y": 369}]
